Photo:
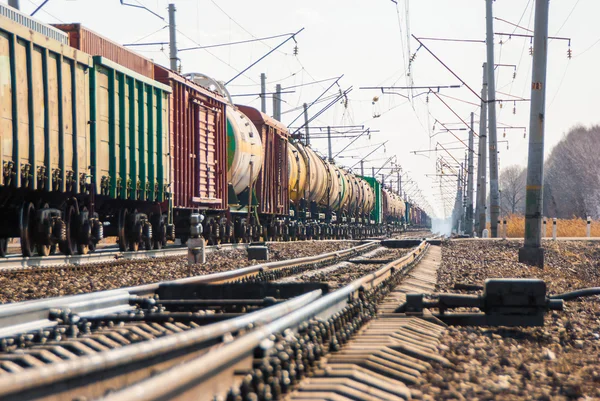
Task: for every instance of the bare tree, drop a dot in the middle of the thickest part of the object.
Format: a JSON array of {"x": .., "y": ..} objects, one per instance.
[
  {"x": 572, "y": 175},
  {"x": 512, "y": 182}
]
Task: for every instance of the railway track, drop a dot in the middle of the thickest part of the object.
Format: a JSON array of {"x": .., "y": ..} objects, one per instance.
[
  {"x": 226, "y": 335},
  {"x": 106, "y": 255},
  {"x": 17, "y": 263}
]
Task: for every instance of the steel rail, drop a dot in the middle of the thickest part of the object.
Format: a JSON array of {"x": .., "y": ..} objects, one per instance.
[
  {"x": 18, "y": 263},
  {"x": 33, "y": 315},
  {"x": 134, "y": 359},
  {"x": 34, "y": 383},
  {"x": 179, "y": 381}
]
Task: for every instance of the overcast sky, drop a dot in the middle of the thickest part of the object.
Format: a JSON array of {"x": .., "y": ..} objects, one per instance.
[{"x": 367, "y": 41}]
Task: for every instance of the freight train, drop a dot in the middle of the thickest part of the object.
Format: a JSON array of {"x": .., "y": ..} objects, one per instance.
[{"x": 97, "y": 141}]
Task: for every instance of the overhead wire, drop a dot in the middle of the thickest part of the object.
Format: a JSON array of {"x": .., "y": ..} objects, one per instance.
[
  {"x": 46, "y": 12},
  {"x": 217, "y": 57},
  {"x": 240, "y": 25}
]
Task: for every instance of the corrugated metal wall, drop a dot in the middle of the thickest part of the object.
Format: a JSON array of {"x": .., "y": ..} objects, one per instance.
[
  {"x": 198, "y": 143},
  {"x": 92, "y": 43}
]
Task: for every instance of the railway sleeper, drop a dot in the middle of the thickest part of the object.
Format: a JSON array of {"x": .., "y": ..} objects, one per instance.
[{"x": 282, "y": 364}]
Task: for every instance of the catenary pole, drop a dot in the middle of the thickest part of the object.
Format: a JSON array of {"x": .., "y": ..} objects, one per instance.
[
  {"x": 482, "y": 160},
  {"x": 277, "y": 103},
  {"x": 330, "y": 150},
  {"x": 263, "y": 91},
  {"x": 532, "y": 252},
  {"x": 493, "y": 138},
  {"x": 306, "y": 131},
  {"x": 172, "y": 38},
  {"x": 469, "y": 215}
]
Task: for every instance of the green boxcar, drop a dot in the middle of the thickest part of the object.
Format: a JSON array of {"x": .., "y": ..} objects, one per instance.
[
  {"x": 377, "y": 212},
  {"x": 129, "y": 136}
]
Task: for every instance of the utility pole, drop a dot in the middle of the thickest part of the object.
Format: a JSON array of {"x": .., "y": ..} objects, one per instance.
[
  {"x": 263, "y": 91},
  {"x": 373, "y": 172},
  {"x": 14, "y": 4},
  {"x": 399, "y": 183},
  {"x": 306, "y": 133},
  {"x": 494, "y": 194},
  {"x": 382, "y": 180},
  {"x": 482, "y": 160},
  {"x": 532, "y": 252},
  {"x": 362, "y": 168},
  {"x": 469, "y": 215},
  {"x": 329, "y": 144},
  {"x": 172, "y": 37}
]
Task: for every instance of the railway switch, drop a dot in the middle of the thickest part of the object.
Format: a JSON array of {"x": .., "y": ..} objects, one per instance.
[{"x": 504, "y": 302}]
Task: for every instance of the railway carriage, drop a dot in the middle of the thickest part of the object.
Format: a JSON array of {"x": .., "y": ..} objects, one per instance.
[
  {"x": 45, "y": 139},
  {"x": 98, "y": 141}
]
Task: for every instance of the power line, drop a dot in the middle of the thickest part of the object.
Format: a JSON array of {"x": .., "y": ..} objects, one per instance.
[
  {"x": 568, "y": 16},
  {"x": 293, "y": 36},
  {"x": 234, "y": 43},
  {"x": 310, "y": 83},
  {"x": 240, "y": 25},
  {"x": 215, "y": 56}
]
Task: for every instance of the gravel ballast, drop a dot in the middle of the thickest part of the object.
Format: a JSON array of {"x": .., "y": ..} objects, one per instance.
[
  {"x": 15, "y": 287},
  {"x": 560, "y": 361}
]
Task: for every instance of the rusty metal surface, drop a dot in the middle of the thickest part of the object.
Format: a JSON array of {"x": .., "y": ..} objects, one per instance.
[{"x": 198, "y": 139}]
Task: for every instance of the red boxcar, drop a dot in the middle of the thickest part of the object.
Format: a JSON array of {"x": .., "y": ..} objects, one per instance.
[
  {"x": 92, "y": 43},
  {"x": 198, "y": 141},
  {"x": 272, "y": 184}
]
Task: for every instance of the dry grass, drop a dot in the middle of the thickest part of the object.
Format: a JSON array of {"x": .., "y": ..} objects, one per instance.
[{"x": 575, "y": 227}]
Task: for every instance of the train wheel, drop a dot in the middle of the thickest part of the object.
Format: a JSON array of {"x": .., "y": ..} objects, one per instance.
[
  {"x": 122, "y": 229},
  {"x": 134, "y": 244},
  {"x": 85, "y": 233},
  {"x": 27, "y": 228},
  {"x": 69, "y": 246},
  {"x": 3, "y": 247},
  {"x": 42, "y": 249}
]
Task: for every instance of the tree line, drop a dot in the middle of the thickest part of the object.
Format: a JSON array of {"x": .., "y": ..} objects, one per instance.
[{"x": 571, "y": 178}]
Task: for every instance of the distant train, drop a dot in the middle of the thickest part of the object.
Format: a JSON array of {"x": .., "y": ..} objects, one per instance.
[{"x": 97, "y": 141}]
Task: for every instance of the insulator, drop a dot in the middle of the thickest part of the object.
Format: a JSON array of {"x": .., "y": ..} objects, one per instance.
[
  {"x": 569, "y": 53},
  {"x": 515, "y": 108},
  {"x": 500, "y": 104},
  {"x": 504, "y": 135},
  {"x": 531, "y": 50}
]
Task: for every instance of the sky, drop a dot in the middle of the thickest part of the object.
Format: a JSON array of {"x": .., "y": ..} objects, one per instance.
[{"x": 370, "y": 43}]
